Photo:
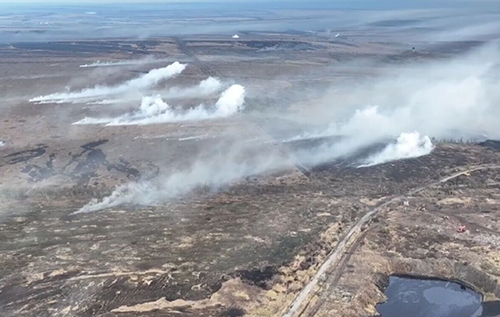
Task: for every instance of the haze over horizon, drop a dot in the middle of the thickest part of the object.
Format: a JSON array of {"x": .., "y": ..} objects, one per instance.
[{"x": 369, "y": 4}]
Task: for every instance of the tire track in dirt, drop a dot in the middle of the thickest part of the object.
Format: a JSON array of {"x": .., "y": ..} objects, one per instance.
[{"x": 188, "y": 52}]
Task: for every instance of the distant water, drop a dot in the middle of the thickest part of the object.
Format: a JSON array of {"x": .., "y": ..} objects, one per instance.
[{"x": 412, "y": 297}]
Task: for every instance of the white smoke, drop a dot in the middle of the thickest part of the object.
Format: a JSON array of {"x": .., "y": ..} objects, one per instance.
[
  {"x": 125, "y": 194},
  {"x": 224, "y": 167},
  {"x": 446, "y": 100},
  {"x": 204, "y": 88},
  {"x": 123, "y": 63},
  {"x": 408, "y": 145},
  {"x": 143, "y": 82},
  {"x": 105, "y": 102},
  {"x": 231, "y": 101},
  {"x": 107, "y": 64},
  {"x": 155, "y": 110},
  {"x": 2, "y": 143}
]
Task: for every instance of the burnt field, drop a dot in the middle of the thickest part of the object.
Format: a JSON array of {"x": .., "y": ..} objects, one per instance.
[
  {"x": 256, "y": 241},
  {"x": 230, "y": 215}
]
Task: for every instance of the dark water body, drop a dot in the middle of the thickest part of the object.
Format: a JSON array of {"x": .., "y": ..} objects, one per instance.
[{"x": 412, "y": 297}]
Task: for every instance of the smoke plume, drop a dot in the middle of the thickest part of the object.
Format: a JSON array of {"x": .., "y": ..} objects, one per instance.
[
  {"x": 108, "y": 64},
  {"x": 455, "y": 99},
  {"x": 123, "y": 63},
  {"x": 408, "y": 145},
  {"x": 444, "y": 100},
  {"x": 155, "y": 110},
  {"x": 143, "y": 82},
  {"x": 204, "y": 88},
  {"x": 225, "y": 166}
]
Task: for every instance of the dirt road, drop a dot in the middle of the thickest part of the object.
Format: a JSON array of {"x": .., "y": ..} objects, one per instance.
[{"x": 333, "y": 264}]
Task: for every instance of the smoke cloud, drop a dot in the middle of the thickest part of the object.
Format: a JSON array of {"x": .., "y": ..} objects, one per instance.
[
  {"x": 447, "y": 100},
  {"x": 155, "y": 110},
  {"x": 206, "y": 87},
  {"x": 123, "y": 63},
  {"x": 108, "y": 64},
  {"x": 444, "y": 100},
  {"x": 227, "y": 165},
  {"x": 143, "y": 82},
  {"x": 104, "y": 102},
  {"x": 408, "y": 145}
]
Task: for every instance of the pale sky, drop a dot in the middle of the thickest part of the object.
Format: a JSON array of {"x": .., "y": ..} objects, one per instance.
[
  {"x": 79, "y": 2},
  {"x": 385, "y": 4}
]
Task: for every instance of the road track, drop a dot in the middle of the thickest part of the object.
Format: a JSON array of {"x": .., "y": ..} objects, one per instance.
[
  {"x": 189, "y": 52},
  {"x": 337, "y": 256}
]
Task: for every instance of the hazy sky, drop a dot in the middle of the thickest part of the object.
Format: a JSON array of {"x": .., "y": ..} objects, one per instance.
[
  {"x": 383, "y": 3},
  {"x": 284, "y": 4},
  {"x": 79, "y": 2},
  {"x": 83, "y": 2}
]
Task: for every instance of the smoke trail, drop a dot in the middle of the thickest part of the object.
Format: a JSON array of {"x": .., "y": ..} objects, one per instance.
[
  {"x": 408, "y": 145},
  {"x": 107, "y": 64},
  {"x": 123, "y": 63},
  {"x": 137, "y": 84},
  {"x": 452, "y": 99},
  {"x": 155, "y": 110},
  {"x": 447, "y": 100},
  {"x": 105, "y": 102},
  {"x": 88, "y": 101},
  {"x": 125, "y": 194},
  {"x": 204, "y": 88},
  {"x": 237, "y": 162}
]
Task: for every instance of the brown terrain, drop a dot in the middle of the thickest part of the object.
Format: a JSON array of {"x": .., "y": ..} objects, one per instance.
[{"x": 299, "y": 241}]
